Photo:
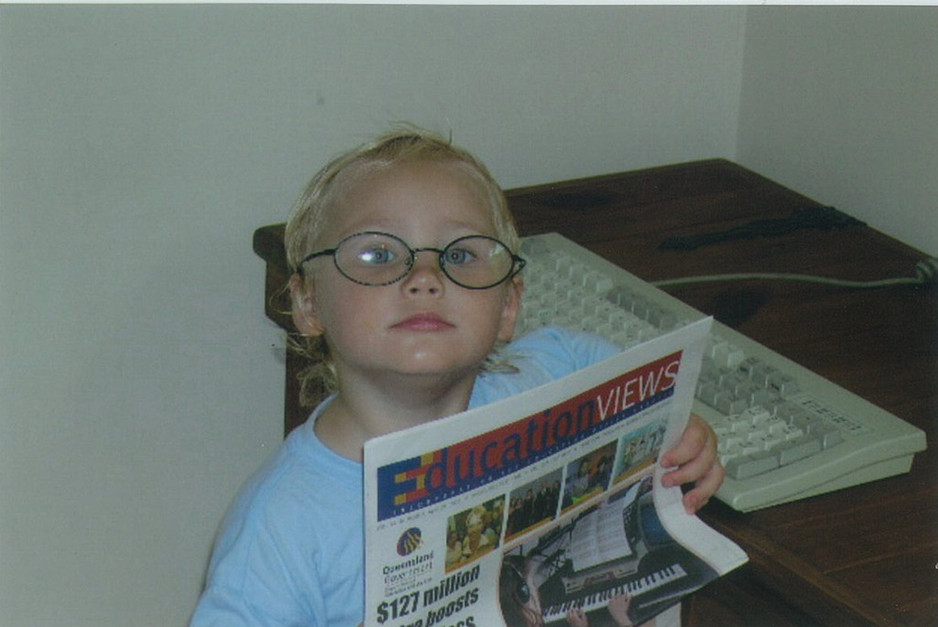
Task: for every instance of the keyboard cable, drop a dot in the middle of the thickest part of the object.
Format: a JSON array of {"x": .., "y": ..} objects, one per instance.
[{"x": 926, "y": 272}]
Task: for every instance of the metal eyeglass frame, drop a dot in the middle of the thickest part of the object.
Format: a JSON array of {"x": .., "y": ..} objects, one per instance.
[{"x": 516, "y": 266}]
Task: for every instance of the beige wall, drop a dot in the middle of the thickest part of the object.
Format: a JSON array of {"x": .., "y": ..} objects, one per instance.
[{"x": 841, "y": 103}]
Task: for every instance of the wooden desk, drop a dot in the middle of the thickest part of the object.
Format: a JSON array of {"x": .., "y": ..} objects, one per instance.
[{"x": 860, "y": 556}]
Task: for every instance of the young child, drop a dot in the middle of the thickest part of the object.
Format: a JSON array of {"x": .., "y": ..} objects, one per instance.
[{"x": 405, "y": 285}]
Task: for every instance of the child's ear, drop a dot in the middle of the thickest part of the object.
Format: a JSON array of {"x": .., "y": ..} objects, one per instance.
[
  {"x": 302, "y": 297},
  {"x": 511, "y": 309}
]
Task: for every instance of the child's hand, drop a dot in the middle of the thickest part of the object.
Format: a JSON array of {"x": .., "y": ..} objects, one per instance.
[
  {"x": 694, "y": 459},
  {"x": 619, "y": 610},
  {"x": 577, "y": 618}
]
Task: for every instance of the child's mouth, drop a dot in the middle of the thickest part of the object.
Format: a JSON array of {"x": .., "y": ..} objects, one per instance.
[{"x": 424, "y": 322}]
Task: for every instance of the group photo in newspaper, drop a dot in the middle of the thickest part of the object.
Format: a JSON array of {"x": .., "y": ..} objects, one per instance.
[{"x": 545, "y": 508}]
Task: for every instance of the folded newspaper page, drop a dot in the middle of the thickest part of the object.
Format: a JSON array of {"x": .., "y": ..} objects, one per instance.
[{"x": 545, "y": 508}]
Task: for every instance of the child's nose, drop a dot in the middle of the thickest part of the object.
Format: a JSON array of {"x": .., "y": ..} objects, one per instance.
[{"x": 426, "y": 273}]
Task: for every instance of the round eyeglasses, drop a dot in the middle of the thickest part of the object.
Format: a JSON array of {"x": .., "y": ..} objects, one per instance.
[{"x": 476, "y": 262}]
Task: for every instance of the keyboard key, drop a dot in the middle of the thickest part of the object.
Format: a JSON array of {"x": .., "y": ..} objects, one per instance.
[
  {"x": 783, "y": 384},
  {"x": 797, "y": 449},
  {"x": 751, "y": 465},
  {"x": 748, "y": 366},
  {"x": 726, "y": 355},
  {"x": 756, "y": 415},
  {"x": 790, "y": 433},
  {"x": 776, "y": 426},
  {"x": 731, "y": 404},
  {"x": 828, "y": 436}
]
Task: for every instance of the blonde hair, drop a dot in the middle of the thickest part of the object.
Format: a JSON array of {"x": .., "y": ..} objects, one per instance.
[
  {"x": 308, "y": 218},
  {"x": 408, "y": 144}
]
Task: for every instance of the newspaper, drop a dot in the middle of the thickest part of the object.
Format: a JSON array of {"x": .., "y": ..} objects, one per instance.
[{"x": 518, "y": 512}]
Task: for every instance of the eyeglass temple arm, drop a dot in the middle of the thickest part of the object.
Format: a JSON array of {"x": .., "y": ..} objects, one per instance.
[{"x": 311, "y": 256}]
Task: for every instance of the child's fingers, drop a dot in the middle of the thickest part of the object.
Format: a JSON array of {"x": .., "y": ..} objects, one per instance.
[
  {"x": 619, "y": 609},
  {"x": 697, "y": 436},
  {"x": 694, "y": 460},
  {"x": 697, "y": 444},
  {"x": 705, "y": 487},
  {"x": 691, "y": 471}
]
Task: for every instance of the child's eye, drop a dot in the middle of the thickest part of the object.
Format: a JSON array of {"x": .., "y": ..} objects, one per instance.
[
  {"x": 458, "y": 256},
  {"x": 377, "y": 256}
]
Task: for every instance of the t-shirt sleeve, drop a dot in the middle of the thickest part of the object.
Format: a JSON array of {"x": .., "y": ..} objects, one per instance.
[
  {"x": 540, "y": 357},
  {"x": 226, "y": 607},
  {"x": 251, "y": 583},
  {"x": 290, "y": 548},
  {"x": 562, "y": 351}
]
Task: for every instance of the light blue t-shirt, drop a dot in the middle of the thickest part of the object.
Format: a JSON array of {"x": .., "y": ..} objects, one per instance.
[{"x": 290, "y": 551}]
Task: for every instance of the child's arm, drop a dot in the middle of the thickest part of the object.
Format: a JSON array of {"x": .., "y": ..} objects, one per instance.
[{"x": 694, "y": 460}]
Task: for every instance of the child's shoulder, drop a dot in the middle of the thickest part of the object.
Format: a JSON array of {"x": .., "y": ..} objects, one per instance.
[
  {"x": 303, "y": 476},
  {"x": 561, "y": 348},
  {"x": 291, "y": 521},
  {"x": 539, "y": 357}
]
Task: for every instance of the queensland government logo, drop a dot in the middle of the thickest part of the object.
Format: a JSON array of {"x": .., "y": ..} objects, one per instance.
[{"x": 409, "y": 541}]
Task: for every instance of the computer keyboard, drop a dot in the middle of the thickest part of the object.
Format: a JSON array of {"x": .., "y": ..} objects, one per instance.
[{"x": 784, "y": 433}]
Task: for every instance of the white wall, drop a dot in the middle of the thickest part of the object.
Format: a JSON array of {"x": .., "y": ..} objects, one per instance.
[
  {"x": 841, "y": 104},
  {"x": 141, "y": 146}
]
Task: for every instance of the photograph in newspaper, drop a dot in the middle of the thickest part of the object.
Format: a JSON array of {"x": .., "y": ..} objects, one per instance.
[
  {"x": 545, "y": 508},
  {"x": 613, "y": 564}
]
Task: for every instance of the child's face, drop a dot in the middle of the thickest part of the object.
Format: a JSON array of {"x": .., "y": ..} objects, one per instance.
[{"x": 424, "y": 323}]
